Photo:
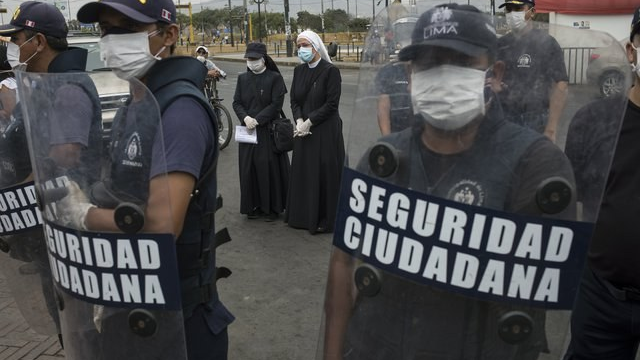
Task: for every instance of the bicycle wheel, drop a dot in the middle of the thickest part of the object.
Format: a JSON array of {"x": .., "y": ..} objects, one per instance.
[{"x": 225, "y": 125}]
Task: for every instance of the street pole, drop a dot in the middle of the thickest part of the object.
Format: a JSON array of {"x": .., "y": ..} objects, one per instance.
[
  {"x": 322, "y": 17},
  {"x": 202, "y": 15},
  {"x": 231, "y": 23},
  {"x": 287, "y": 28},
  {"x": 259, "y": 19},
  {"x": 246, "y": 23}
]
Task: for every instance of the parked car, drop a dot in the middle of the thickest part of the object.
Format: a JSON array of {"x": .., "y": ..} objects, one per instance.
[
  {"x": 113, "y": 91},
  {"x": 609, "y": 69}
]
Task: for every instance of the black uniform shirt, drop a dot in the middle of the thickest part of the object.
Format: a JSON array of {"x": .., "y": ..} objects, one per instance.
[
  {"x": 534, "y": 63},
  {"x": 615, "y": 247}
]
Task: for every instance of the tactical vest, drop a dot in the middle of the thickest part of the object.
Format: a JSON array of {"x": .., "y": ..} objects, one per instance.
[
  {"x": 481, "y": 176},
  {"x": 196, "y": 245}
]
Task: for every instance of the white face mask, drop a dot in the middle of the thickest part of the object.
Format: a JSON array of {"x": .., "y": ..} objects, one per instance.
[
  {"x": 516, "y": 20},
  {"x": 128, "y": 55},
  {"x": 13, "y": 56},
  {"x": 448, "y": 97},
  {"x": 256, "y": 66},
  {"x": 201, "y": 58}
]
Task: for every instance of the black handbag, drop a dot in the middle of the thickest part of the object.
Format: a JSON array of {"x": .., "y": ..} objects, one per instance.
[{"x": 281, "y": 131}]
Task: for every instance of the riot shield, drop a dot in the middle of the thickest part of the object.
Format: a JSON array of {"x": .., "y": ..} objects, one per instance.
[
  {"x": 116, "y": 277},
  {"x": 465, "y": 235},
  {"x": 23, "y": 259}
]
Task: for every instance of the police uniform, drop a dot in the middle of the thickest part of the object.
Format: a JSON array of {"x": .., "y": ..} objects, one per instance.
[
  {"x": 411, "y": 321},
  {"x": 190, "y": 146},
  {"x": 393, "y": 80},
  {"x": 534, "y": 63}
]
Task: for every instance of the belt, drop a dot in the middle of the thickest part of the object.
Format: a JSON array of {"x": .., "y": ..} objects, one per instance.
[{"x": 622, "y": 294}]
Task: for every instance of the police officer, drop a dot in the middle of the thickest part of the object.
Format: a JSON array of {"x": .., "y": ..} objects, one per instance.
[
  {"x": 38, "y": 43},
  {"x": 604, "y": 324},
  {"x": 147, "y": 32},
  {"x": 535, "y": 84},
  {"x": 457, "y": 151}
]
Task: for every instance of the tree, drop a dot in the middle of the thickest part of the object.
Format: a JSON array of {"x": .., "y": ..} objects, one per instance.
[
  {"x": 359, "y": 24},
  {"x": 336, "y": 20},
  {"x": 309, "y": 21}
]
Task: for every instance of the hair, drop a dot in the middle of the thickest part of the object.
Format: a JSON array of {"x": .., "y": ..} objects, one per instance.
[
  {"x": 4, "y": 64},
  {"x": 57, "y": 44},
  {"x": 163, "y": 26}
]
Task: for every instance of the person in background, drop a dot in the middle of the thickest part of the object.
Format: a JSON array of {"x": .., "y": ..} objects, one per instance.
[
  {"x": 394, "y": 102},
  {"x": 264, "y": 174},
  {"x": 7, "y": 90},
  {"x": 604, "y": 322},
  {"x": 318, "y": 146},
  {"x": 535, "y": 85},
  {"x": 202, "y": 54}
]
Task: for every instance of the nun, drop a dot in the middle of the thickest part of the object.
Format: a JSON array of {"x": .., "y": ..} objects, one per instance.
[
  {"x": 318, "y": 147},
  {"x": 264, "y": 173}
]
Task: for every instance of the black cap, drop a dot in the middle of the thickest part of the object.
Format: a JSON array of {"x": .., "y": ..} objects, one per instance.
[
  {"x": 635, "y": 23},
  {"x": 256, "y": 50},
  {"x": 531, "y": 3},
  {"x": 462, "y": 28},
  {"x": 38, "y": 16},
  {"x": 146, "y": 12}
]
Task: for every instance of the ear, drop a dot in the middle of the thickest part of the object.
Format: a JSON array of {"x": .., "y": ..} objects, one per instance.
[
  {"x": 498, "y": 74},
  {"x": 630, "y": 52},
  {"x": 170, "y": 35},
  {"x": 42, "y": 42}
]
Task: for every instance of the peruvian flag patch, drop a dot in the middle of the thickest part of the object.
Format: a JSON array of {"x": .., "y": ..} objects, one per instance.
[{"x": 166, "y": 14}]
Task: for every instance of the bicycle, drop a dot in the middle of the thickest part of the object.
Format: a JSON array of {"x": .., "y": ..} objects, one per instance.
[{"x": 225, "y": 123}]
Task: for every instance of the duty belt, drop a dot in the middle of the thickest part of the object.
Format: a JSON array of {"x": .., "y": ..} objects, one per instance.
[{"x": 623, "y": 294}]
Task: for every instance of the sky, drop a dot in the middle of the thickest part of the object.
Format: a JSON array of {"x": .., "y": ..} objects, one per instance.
[{"x": 361, "y": 8}]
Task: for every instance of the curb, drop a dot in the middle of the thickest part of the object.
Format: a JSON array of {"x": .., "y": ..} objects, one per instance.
[{"x": 284, "y": 61}]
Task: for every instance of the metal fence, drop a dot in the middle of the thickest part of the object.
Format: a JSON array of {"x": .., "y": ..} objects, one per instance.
[{"x": 576, "y": 60}]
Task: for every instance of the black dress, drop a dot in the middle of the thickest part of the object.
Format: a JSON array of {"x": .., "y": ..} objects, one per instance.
[
  {"x": 317, "y": 161},
  {"x": 264, "y": 175}
]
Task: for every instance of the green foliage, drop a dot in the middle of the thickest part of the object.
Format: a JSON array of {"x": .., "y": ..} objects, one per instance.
[{"x": 336, "y": 20}]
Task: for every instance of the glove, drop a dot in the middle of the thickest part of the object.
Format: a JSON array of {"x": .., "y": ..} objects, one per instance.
[
  {"x": 72, "y": 209},
  {"x": 295, "y": 129},
  {"x": 250, "y": 122},
  {"x": 303, "y": 127}
]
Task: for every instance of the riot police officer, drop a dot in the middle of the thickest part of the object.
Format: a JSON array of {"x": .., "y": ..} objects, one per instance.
[
  {"x": 38, "y": 33},
  {"x": 147, "y": 33},
  {"x": 398, "y": 287}
]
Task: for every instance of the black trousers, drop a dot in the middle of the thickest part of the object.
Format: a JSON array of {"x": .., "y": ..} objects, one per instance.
[{"x": 603, "y": 326}]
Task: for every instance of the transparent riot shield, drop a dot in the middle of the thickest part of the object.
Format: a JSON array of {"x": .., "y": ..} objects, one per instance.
[
  {"x": 464, "y": 235},
  {"x": 112, "y": 256},
  {"x": 23, "y": 255}
]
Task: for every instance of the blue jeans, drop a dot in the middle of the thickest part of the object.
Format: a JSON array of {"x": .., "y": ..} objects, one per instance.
[{"x": 536, "y": 121}]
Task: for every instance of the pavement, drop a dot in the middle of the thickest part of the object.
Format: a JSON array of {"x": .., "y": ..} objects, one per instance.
[{"x": 17, "y": 340}]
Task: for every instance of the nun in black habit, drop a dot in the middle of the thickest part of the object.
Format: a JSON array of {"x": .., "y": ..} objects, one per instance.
[
  {"x": 264, "y": 174},
  {"x": 318, "y": 146}
]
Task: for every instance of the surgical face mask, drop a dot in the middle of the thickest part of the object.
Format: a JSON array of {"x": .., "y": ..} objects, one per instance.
[
  {"x": 201, "y": 58},
  {"x": 305, "y": 54},
  {"x": 256, "y": 66},
  {"x": 13, "y": 56},
  {"x": 448, "y": 97},
  {"x": 128, "y": 55},
  {"x": 516, "y": 20}
]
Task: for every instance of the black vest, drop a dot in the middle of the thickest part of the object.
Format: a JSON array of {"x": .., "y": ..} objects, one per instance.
[{"x": 195, "y": 247}]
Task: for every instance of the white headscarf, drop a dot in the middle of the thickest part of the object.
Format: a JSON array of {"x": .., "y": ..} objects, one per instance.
[{"x": 316, "y": 42}]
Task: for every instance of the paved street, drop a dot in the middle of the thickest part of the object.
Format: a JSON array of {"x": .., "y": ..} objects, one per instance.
[{"x": 277, "y": 286}]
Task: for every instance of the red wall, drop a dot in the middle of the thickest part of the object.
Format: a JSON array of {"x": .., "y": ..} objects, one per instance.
[{"x": 593, "y": 7}]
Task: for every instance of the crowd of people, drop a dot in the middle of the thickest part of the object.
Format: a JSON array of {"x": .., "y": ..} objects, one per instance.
[{"x": 455, "y": 100}]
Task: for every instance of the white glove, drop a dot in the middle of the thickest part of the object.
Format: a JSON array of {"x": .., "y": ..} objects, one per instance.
[
  {"x": 250, "y": 122},
  {"x": 303, "y": 127},
  {"x": 72, "y": 209},
  {"x": 295, "y": 129}
]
